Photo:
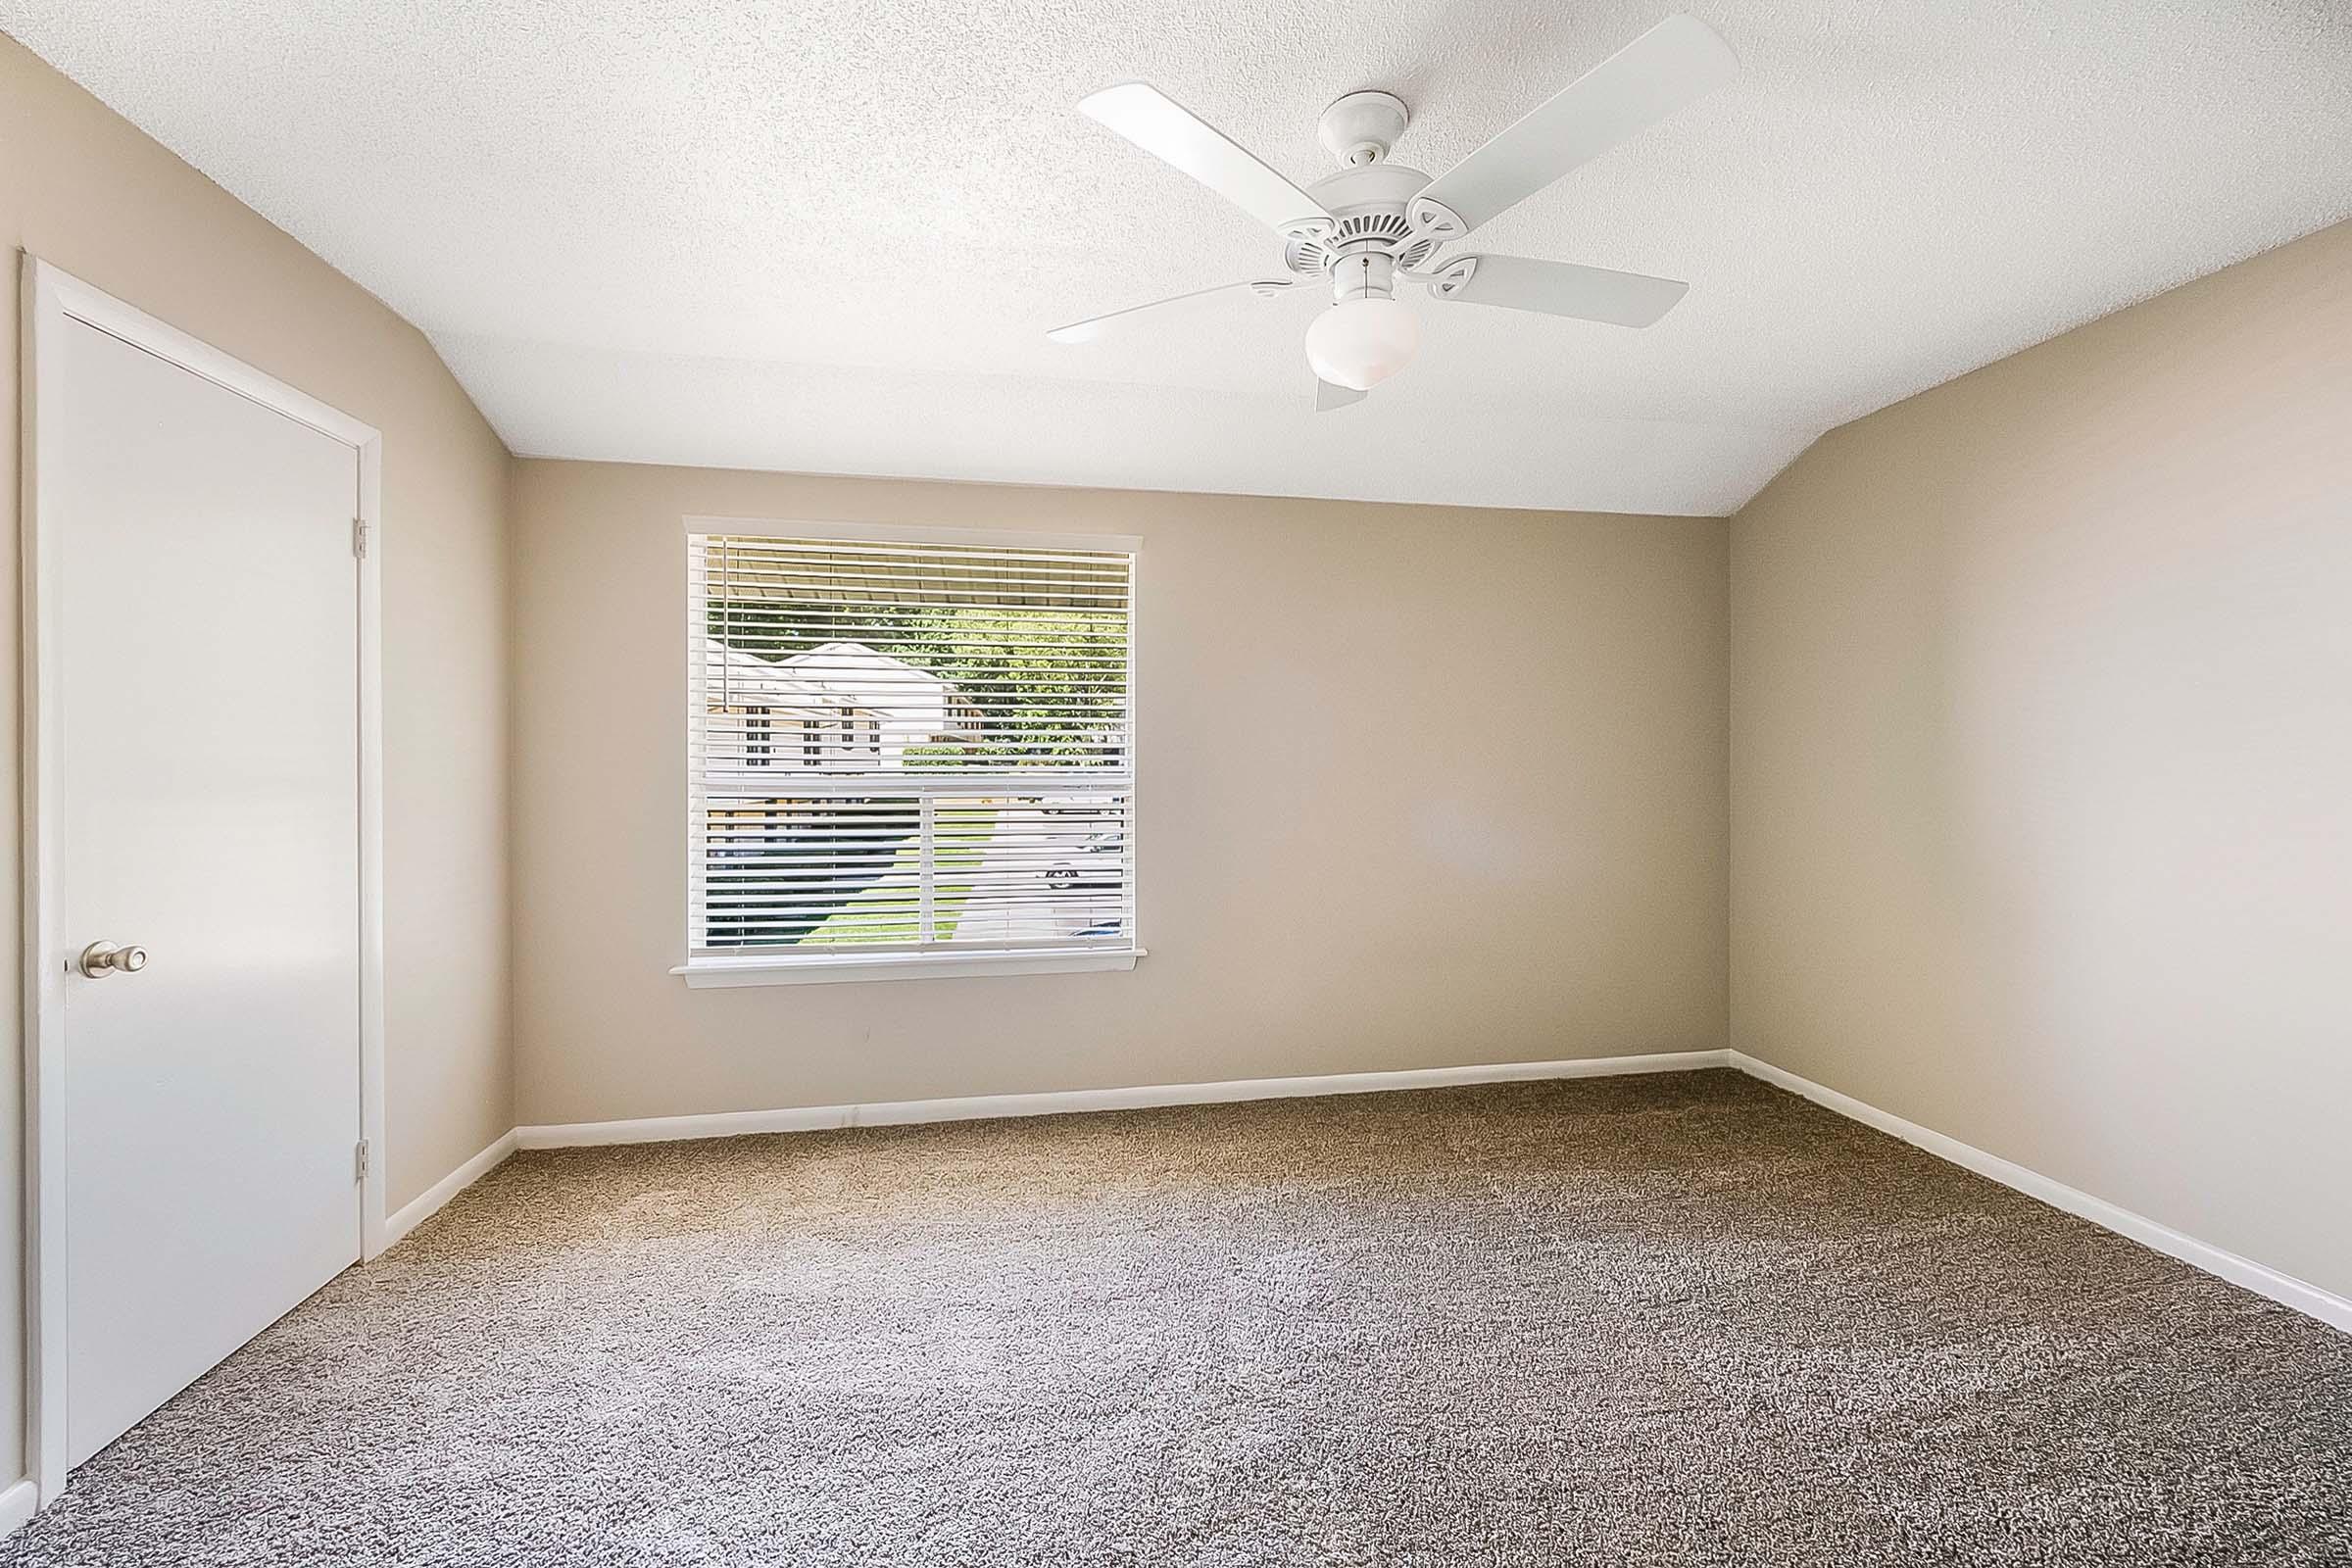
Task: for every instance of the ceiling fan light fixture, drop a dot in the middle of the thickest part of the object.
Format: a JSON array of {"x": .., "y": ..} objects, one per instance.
[{"x": 1361, "y": 343}]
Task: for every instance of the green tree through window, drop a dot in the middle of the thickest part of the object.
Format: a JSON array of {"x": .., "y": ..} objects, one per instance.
[{"x": 1048, "y": 683}]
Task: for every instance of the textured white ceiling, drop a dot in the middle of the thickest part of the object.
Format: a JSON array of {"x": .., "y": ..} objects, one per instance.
[{"x": 829, "y": 235}]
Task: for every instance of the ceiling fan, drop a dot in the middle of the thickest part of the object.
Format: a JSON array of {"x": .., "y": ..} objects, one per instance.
[{"x": 1374, "y": 223}]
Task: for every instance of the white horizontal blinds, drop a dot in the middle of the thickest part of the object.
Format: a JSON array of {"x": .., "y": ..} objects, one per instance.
[{"x": 909, "y": 746}]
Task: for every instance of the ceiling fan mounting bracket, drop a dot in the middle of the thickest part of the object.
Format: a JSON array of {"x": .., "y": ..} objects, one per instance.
[
  {"x": 1360, "y": 127},
  {"x": 1450, "y": 280},
  {"x": 1433, "y": 221}
]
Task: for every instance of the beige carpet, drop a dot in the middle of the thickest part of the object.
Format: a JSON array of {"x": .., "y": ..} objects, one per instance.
[{"x": 1672, "y": 1320}]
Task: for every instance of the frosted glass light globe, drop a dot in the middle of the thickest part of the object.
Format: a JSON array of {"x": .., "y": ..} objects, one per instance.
[{"x": 1362, "y": 343}]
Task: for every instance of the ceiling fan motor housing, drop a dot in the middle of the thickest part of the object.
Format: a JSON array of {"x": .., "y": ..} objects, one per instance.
[{"x": 1369, "y": 205}]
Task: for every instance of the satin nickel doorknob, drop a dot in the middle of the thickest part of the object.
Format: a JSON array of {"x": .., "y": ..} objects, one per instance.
[{"x": 102, "y": 959}]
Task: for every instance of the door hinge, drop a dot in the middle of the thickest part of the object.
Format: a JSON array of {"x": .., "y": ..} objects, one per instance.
[
  {"x": 358, "y": 537},
  {"x": 360, "y": 1162}
]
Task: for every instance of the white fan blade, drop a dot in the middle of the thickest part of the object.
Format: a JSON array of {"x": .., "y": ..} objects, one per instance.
[
  {"x": 1094, "y": 326},
  {"x": 1679, "y": 59},
  {"x": 1558, "y": 288},
  {"x": 1166, "y": 130},
  {"x": 1329, "y": 397}
]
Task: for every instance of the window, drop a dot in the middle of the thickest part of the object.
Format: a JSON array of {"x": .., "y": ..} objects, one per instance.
[{"x": 961, "y": 796}]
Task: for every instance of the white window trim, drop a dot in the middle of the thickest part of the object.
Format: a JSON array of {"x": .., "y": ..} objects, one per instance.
[
  {"x": 892, "y": 534},
  {"x": 706, "y": 972}
]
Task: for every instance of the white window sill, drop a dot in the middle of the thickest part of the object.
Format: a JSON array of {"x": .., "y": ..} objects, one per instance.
[{"x": 767, "y": 970}]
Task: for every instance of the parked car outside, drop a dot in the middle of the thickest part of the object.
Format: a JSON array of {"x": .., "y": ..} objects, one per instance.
[{"x": 1098, "y": 862}]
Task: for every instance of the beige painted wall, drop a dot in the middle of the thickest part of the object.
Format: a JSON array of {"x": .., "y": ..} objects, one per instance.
[
  {"x": 81, "y": 187},
  {"x": 1418, "y": 786},
  {"x": 2041, "y": 759}
]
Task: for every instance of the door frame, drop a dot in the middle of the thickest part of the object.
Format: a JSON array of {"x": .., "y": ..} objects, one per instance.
[{"x": 52, "y": 300}]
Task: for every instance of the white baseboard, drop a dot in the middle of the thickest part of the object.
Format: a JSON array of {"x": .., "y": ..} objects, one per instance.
[
  {"x": 732, "y": 1124},
  {"x": 449, "y": 1187},
  {"x": 17, "y": 1505},
  {"x": 2284, "y": 1289},
  {"x": 2287, "y": 1290}
]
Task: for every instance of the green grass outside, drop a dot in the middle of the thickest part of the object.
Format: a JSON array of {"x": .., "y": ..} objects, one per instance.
[{"x": 887, "y": 915}]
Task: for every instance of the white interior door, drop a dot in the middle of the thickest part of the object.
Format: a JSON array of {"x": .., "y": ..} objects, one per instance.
[{"x": 206, "y": 810}]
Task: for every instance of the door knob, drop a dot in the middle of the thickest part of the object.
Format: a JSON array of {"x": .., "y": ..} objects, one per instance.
[{"x": 102, "y": 959}]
